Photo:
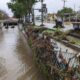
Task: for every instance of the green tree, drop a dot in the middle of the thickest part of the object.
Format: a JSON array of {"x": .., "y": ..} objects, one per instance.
[
  {"x": 3, "y": 15},
  {"x": 64, "y": 11},
  {"x": 17, "y": 8},
  {"x": 21, "y": 7}
]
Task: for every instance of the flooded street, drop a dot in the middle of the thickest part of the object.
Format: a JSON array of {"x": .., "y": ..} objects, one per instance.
[
  {"x": 51, "y": 26},
  {"x": 15, "y": 57}
]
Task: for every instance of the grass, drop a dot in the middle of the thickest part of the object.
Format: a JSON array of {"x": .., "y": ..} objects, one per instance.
[
  {"x": 35, "y": 26},
  {"x": 48, "y": 31},
  {"x": 73, "y": 39},
  {"x": 75, "y": 31}
]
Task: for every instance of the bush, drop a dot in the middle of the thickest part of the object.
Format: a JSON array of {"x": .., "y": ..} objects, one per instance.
[{"x": 72, "y": 42}]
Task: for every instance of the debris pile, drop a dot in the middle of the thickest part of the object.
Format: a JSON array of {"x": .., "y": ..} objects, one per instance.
[{"x": 52, "y": 64}]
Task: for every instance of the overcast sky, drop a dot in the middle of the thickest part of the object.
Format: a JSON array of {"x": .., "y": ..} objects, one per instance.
[{"x": 52, "y": 5}]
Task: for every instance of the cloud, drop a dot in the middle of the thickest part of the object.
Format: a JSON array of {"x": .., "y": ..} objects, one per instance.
[
  {"x": 52, "y": 5},
  {"x": 55, "y": 5},
  {"x": 4, "y": 7}
]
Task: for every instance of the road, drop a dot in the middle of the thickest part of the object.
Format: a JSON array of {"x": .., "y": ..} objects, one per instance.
[
  {"x": 16, "y": 61},
  {"x": 51, "y": 26}
]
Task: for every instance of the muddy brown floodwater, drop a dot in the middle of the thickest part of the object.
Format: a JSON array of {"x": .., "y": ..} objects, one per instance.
[{"x": 16, "y": 61}]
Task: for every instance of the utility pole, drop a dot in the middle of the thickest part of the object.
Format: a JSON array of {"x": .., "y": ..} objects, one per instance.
[
  {"x": 42, "y": 13},
  {"x": 33, "y": 18},
  {"x": 64, "y": 3},
  {"x": 42, "y": 10},
  {"x": 29, "y": 14},
  {"x": 74, "y": 7}
]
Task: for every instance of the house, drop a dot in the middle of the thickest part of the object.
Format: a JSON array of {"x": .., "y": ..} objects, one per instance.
[{"x": 51, "y": 16}]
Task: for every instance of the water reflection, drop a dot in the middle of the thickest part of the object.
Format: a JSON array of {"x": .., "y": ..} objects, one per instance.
[
  {"x": 3, "y": 70},
  {"x": 15, "y": 58}
]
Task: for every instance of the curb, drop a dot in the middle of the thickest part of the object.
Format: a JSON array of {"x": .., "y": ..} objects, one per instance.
[{"x": 68, "y": 44}]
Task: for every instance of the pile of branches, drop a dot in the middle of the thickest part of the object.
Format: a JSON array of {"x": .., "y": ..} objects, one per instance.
[{"x": 46, "y": 59}]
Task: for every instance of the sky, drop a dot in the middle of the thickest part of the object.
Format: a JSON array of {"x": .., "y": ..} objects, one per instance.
[
  {"x": 52, "y": 5},
  {"x": 4, "y": 7}
]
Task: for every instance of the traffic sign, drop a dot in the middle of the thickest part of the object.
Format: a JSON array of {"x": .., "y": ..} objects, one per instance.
[
  {"x": 40, "y": 10},
  {"x": 44, "y": 6},
  {"x": 44, "y": 10}
]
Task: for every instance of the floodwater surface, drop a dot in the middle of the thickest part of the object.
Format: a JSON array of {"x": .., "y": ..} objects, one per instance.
[{"x": 16, "y": 61}]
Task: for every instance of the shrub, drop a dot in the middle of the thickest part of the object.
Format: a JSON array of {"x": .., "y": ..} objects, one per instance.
[{"x": 72, "y": 42}]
